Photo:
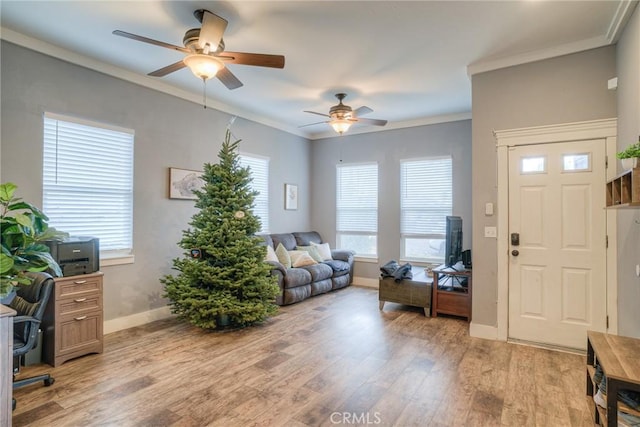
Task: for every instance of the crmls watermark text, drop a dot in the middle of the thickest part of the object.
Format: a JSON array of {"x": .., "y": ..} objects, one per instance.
[{"x": 355, "y": 418}]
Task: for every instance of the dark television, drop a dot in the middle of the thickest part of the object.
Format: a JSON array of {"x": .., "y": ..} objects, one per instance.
[{"x": 453, "y": 241}]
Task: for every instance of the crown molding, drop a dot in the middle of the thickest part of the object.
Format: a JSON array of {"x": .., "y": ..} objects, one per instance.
[
  {"x": 536, "y": 55},
  {"x": 620, "y": 19},
  {"x": 148, "y": 82},
  {"x": 616, "y": 26}
]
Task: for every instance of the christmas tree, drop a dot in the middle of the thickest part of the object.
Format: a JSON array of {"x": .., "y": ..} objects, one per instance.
[{"x": 223, "y": 279}]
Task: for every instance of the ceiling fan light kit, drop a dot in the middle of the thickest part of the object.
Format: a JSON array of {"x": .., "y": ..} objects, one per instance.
[
  {"x": 341, "y": 116},
  {"x": 203, "y": 66},
  {"x": 340, "y": 125}
]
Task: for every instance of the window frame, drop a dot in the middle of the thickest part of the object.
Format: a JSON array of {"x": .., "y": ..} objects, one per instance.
[
  {"x": 256, "y": 157},
  {"x": 342, "y": 233},
  {"x": 125, "y": 189},
  {"x": 404, "y": 236}
]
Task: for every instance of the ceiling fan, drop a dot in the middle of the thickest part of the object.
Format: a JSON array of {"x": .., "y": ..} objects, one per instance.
[
  {"x": 341, "y": 116},
  {"x": 206, "y": 56}
]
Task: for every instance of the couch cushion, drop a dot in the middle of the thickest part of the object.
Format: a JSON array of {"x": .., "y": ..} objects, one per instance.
[
  {"x": 296, "y": 277},
  {"x": 267, "y": 239},
  {"x": 304, "y": 238},
  {"x": 283, "y": 256},
  {"x": 321, "y": 287},
  {"x": 338, "y": 266},
  {"x": 323, "y": 249},
  {"x": 319, "y": 271},
  {"x": 340, "y": 281},
  {"x": 287, "y": 240},
  {"x": 301, "y": 258},
  {"x": 313, "y": 251},
  {"x": 294, "y": 295}
]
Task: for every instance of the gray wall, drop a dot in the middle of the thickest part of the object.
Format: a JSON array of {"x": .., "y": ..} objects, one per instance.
[
  {"x": 387, "y": 149},
  {"x": 628, "y": 93},
  {"x": 570, "y": 88},
  {"x": 168, "y": 132}
]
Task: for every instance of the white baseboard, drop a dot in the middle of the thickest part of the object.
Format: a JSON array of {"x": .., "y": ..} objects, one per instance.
[
  {"x": 137, "y": 319},
  {"x": 365, "y": 281},
  {"x": 483, "y": 331}
]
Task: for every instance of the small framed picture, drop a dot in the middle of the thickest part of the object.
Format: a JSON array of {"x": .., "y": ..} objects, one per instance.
[
  {"x": 290, "y": 197},
  {"x": 183, "y": 182}
]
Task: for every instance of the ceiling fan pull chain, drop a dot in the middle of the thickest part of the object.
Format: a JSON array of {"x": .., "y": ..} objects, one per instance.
[{"x": 204, "y": 92}]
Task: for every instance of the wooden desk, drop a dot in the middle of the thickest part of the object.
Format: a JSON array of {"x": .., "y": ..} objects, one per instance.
[
  {"x": 415, "y": 292},
  {"x": 454, "y": 299},
  {"x": 6, "y": 364}
]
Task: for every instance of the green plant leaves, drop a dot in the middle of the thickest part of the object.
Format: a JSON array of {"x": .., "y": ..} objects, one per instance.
[
  {"x": 23, "y": 228},
  {"x": 6, "y": 191}
]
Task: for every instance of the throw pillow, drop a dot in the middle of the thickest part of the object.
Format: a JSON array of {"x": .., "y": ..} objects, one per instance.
[
  {"x": 23, "y": 307},
  {"x": 324, "y": 250},
  {"x": 301, "y": 258},
  {"x": 271, "y": 254},
  {"x": 313, "y": 251},
  {"x": 283, "y": 256}
]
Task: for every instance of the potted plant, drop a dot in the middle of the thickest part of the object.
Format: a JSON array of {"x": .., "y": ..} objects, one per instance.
[
  {"x": 629, "y": 156},
  {"x": 23, "y": 229}
]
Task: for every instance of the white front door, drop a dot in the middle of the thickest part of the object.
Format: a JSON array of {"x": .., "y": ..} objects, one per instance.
[{"x": 557, "y": 250}]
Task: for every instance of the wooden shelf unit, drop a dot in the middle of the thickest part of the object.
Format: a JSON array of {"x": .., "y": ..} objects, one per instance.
[
  {"x": 73, "y": 320},
  {"x": 446, "y": 301},
  {"x": 624, "y": 190},
  {"x": 618, "y": 357}
]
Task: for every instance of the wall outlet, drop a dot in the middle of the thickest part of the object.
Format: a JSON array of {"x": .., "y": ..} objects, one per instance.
[
  {"x": 638, "y": 270},
  {"x": 490, "y": 232}
]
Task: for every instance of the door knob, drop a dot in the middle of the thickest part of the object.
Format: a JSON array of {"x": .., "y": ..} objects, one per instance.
[{"x": 515, "y": 252}]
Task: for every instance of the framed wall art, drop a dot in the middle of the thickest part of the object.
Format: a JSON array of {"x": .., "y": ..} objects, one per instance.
[
  {"x": 183, "y": 182},
  {"x": 290, "y": 197}
]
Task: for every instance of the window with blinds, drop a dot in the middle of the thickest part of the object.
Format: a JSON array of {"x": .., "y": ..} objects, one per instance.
[
  {"x": 259, "y": 167},
  {"x": 357, "y": 208},
  {"x": 87, "y": 181},
  {"x": 425, "y": 202}
]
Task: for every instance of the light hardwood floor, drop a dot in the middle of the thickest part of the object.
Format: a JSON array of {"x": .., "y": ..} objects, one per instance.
[{"x": 330, "y": 360}]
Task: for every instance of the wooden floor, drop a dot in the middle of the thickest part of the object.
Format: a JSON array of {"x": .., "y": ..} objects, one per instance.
[{"x": 330, "y": 360}]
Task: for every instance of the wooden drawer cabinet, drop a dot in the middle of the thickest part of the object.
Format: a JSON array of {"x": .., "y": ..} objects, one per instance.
[{"x": 73, "y": 321}]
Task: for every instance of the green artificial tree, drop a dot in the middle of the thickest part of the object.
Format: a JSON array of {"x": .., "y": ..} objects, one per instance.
[{"x": 223, "y": 279}]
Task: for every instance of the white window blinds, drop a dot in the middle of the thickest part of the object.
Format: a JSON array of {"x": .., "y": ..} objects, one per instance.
[
  {"x": 357, "y": 198},
  {"x": 425, "y": 196},
  {"x": 260, "y": 174},
  {"x": 88, "y": 181}
]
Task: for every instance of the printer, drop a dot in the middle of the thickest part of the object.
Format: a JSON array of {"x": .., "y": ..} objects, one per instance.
[{"x": 76, "y": 255}]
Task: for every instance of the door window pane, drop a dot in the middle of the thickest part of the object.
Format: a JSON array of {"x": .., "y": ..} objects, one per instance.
[
  {"x": 576, "y": 162},
  {"x": 536, "y": 164}
]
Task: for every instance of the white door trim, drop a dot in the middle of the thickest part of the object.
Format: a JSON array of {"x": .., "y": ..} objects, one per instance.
[{"x": 594, "y": 129}]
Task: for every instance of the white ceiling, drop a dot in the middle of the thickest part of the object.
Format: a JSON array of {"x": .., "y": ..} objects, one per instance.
[{"x": 408, "y": 61}]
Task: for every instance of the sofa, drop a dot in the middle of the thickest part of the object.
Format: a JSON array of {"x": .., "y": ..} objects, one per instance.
[{"x": 299, "y": 283}]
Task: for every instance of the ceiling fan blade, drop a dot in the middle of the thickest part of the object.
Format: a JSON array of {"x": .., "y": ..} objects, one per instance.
[
  {"x": 375, "y": 122},
  {"x": 257, "y": 59},
  {"x": 167, "y": 70},
  {"x": 150, "y": 41},
  {"x": 212, "y": 30},
  {"x": 311, "y": 124},
  {"x": 362, "y": 111},
  {"x": 320, "y": 114},
  {"x": 228, "y": 79}
]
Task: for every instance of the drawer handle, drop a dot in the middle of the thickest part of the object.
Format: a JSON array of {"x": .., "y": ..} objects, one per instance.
[
  {"x": 80, "y": 318},
  {"x": 80, "y": 299},
  {"x": 80, "y": 282}
]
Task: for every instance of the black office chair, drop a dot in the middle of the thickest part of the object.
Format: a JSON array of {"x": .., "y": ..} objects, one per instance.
[{"x": 30, "y": 303}]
